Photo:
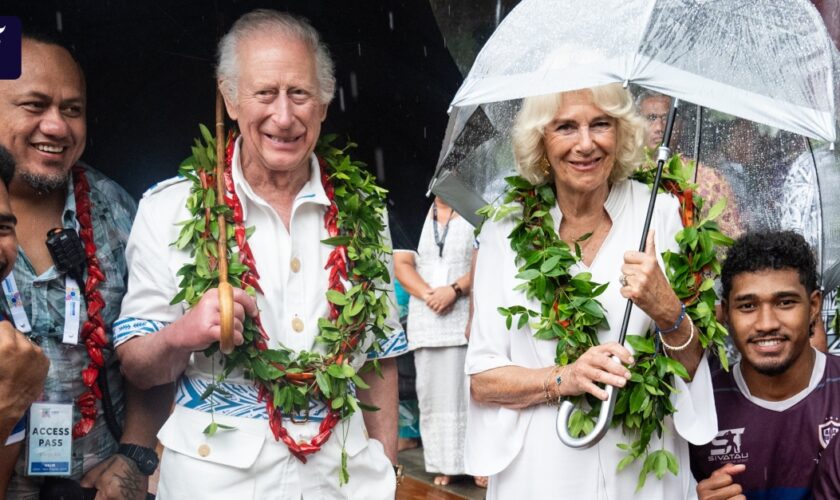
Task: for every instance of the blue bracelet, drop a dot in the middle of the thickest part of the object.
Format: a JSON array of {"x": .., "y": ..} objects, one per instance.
[{"x": 676, "y": 325}]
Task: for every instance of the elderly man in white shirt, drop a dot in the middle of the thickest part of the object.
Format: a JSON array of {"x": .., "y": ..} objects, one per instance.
[{"x": 277, "y": 80}]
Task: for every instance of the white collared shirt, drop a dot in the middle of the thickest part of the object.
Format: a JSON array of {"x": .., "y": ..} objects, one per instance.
[{"x": 290, "y": 264}]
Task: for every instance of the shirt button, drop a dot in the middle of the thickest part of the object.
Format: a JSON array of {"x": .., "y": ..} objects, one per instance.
[
  {"x": 204, "y": 450},
  {"x": 297, "y": 325},
  {"x": 295, "y": 265}
]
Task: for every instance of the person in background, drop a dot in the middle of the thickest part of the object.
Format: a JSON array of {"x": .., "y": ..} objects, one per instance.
[
  {"x": 438, "y": 279},
  {"x": 44, "y": 128}
]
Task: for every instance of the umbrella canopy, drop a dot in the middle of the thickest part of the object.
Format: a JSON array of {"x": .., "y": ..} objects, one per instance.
[{"x": 768, "y": 61}]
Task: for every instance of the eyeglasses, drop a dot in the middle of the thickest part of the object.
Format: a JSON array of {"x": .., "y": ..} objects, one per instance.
[{"x": 652, "y": 117}]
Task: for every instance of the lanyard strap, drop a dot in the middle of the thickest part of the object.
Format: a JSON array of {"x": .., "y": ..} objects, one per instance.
[
  {"x": 440, "y": 240},
  {"x": 72, "y": 308}
]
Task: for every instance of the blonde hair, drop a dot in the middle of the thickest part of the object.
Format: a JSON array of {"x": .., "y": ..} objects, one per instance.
[{"x": 538, "y": 111}]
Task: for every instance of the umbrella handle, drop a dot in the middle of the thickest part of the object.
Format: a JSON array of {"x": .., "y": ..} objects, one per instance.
[{"x": 602, "y": 425}]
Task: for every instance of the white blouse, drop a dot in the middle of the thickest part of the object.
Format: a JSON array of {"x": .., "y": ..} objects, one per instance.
[
  {"x": 530, "y": 434},
  {"x": 425, "y": 327}
]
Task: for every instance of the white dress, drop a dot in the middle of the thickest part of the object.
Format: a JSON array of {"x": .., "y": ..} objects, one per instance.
[
  {"x": 519, "y": 449},
  {"x": 440, "y": 349}
]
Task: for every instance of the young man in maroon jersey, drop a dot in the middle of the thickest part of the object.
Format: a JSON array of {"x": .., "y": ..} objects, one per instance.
[{"x": 780, "y": 406}]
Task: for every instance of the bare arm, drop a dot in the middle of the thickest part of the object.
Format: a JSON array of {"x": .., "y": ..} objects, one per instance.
[
  {"x": 518, "y": 387},
  {"x": 382, "y": 425},
  {"x": 410, "y": 279},
  {"x": 23, "y": 368},
  {"x": 161, "y": 357},
  {"x": 118, "y": 477}
]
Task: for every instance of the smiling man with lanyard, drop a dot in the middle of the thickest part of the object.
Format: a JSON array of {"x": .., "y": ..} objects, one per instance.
[{"x": 66, "y": 297}]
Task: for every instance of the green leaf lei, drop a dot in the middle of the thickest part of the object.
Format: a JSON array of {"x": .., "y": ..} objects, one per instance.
[
  {"x": 571, "y": 314},
  {"x": 288, "y": 380}
]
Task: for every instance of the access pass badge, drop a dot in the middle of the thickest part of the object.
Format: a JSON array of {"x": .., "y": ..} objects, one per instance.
[{"x": 49, "y": 441}]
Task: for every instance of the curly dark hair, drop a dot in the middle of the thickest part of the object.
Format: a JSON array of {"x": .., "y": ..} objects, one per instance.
[{"x": 757, "y": 251}]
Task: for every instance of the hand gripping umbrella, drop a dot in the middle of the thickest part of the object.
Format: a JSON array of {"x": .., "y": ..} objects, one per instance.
[{"x": 768, "y": 61}]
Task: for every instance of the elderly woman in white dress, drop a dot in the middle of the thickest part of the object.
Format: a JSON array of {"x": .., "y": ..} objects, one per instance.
[
  {"x": 584, "y": 144},
  {"x": 438, "y": 279}
]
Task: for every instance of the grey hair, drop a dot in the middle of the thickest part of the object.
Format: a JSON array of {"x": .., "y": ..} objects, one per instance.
[
  {"x": 272, "y": 21},
  {"x": 538, "y": 111},
  {"x": 648, "y": 94}
]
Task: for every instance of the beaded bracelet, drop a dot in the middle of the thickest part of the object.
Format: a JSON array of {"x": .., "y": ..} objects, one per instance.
[
  {"x": 558, "y": 379},
  {"x": 676, "y": 325},
  {"x": 679, "y": 347}
]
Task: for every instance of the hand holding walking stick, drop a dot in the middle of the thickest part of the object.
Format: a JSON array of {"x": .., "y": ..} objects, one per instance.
[{"x": 225, "y": 290}]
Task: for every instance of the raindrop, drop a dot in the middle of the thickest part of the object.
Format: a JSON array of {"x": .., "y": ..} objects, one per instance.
[
  {"x": 425, "y": 52},
  {"x": 341, "y": 98},
  {"x": 354, "y": 85},
  {"x": 498, "y": 11},
  {"x": 424, "y": 132},
  {"x": 379, "y": 159},
  {"x": 59, "y": 25},
  {"x": 391, "y": 20},
  {"x": 359, "y": 45}
]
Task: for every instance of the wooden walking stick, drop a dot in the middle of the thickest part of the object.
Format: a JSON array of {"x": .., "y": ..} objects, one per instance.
[{"x": 225, "y": 290}]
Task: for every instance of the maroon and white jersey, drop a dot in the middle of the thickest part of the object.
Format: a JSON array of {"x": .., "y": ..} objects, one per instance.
[{"x": 780, "y": 442}]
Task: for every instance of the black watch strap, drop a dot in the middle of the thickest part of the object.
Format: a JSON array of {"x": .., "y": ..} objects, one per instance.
[{"x": 145, "y": 458}]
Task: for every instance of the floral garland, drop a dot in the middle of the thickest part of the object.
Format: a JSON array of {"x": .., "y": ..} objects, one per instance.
[
  {"x": 93, "y": 329},
  {"x": 571, "y": 314},
  {"x": 286, "y": 380}
]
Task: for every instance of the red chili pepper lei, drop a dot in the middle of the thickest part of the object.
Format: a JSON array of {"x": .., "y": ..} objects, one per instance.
[
  {"x": 337, "y": 263},
  {"x": 92, "y": 332}
]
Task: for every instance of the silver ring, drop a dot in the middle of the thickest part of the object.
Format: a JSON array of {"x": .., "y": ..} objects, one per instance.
[{"x": 622, "y": 278}]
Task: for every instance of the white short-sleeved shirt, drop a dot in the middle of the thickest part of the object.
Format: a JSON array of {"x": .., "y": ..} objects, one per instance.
[{"x": 290, "y": 265}]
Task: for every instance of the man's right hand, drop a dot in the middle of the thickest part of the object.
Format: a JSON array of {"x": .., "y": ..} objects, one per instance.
[
  {"x": 200, "y": 327},
  {"x": 720, "y": 485},
  {"x": 22, "y": 372}
]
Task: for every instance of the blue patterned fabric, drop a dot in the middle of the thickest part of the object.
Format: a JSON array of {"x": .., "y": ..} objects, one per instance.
[{"x": 235, "y": 400}]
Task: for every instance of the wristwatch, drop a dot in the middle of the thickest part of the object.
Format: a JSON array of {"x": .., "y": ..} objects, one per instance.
[
  {"x": 145, "y": 458},
  {"x": 399, "y": 473},
  {"x": 458, "y": 292}
]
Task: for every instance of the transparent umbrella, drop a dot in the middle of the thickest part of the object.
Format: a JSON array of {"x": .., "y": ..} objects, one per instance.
[{"x": 770, "y": 62}]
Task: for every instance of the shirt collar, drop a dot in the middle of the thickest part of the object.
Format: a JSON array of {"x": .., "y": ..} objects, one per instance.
[
  {"x": 311, "y": 192},
  {"x": 616, "y": 199}
]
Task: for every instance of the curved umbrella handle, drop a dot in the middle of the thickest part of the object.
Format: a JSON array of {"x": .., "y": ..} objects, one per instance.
[{"x": 602, "y": 425}]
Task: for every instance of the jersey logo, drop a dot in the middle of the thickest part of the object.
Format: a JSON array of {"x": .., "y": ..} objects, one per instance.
[
  {"x": 726, "y": 446},
  {"x": 827, "y": 431}
]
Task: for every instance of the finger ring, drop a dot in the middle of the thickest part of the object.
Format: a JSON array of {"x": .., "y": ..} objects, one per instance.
[{"x": 622, "y": 278}]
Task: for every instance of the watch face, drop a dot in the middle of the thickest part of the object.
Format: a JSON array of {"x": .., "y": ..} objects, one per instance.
[{"x": 145, "y": 458}]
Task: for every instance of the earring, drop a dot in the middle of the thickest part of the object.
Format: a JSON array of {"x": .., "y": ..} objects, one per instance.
[{"x": 545, "y": 166}]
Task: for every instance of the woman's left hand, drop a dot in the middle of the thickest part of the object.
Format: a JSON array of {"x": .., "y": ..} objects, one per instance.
[{"x": 647, "y": 286}]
